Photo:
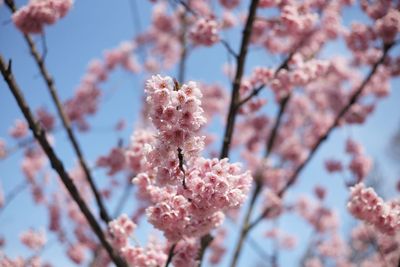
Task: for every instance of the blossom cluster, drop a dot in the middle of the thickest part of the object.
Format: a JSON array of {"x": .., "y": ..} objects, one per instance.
[
  {"x": 188, "y": 194},
  {"x": 204, "y": 32},
  {"x": 121, "y": 230},
  {"x": 33, "y": 17},
  {"x": 360, "y": 164},
  {"x": 34, "y": 240},
  {"x": 87, "y": 95},
  {"x": 366, "y": 205},
  {"x": 177, "y": 115},
  {"x": 211, "y": 186}
]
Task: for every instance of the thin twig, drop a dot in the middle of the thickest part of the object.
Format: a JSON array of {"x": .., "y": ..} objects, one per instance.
[
  {"x": 228, "y": 48},
  {"x": 65, "y": 120},
  {"x": 13, "y": 194},
  {"x": 40, "y": 135},
  {"x": 44, "y": 44},
  {"x": 187, "y": 7},
  {"x": 123, "y": 199}
]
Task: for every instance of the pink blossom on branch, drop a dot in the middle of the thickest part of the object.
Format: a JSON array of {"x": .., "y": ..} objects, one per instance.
[
  {"x": 366, "y": 205},
  {"x": 34, "y": 240},
  {"x": 38, "y": 13},
  {"x": 204, "y": 32}
]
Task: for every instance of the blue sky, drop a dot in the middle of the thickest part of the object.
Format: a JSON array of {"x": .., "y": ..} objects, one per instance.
[{"x": 82, "y": 35}]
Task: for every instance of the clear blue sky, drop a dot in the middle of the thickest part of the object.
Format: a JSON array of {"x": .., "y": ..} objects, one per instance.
[{"x": 82, "y": 35}]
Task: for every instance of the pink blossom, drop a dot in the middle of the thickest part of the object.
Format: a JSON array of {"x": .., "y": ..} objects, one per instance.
[
  {"x": 46, "y": 119},
  {"x": 3, "y": 149},
  {"x": 120, "y": 230},
  {"x": 366, "y": 205},
  {"x": 141, "y": 142},
  {"x": 268, "y": 3},
  {"x": 204, "y": 32},
  {"x": 360, "y": 37},
  {"x": 320, "y": 192},
  {"x": 217, "y": 247},
  {"x": 185, "y": 253},
  {"x": 229, "y": 4},
  {"x": 115, "y": 161},
  {"x": 388, "y": 26},
  {"x": 33, "y": 17},
  {"x": 333, "y": 165},
  {"x": 19, "y": 130},
  {"x": 34, "y": 240},
  {"x": 151, "y": 255},
  {"x": 76, "y": 253},
  {"x": 1, "y": 197},
  {"x": 360, "y": 166}
]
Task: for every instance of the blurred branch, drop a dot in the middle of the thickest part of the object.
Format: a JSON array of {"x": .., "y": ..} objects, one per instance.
[
  {"x": 353, "y": 99},
  {"x": 123, "y": 199},
  {"x": 269, "y": 144},
  {"x": 258, "y": 183},
  {"x": 183, "y": 56},
  {"x": 65, "y": 120},
  {"x": 40, "y": 135},
  {"x": 228, "y": 48},
  {"x": 187, "y": 7},
  {"x": 13, "y": 194}
]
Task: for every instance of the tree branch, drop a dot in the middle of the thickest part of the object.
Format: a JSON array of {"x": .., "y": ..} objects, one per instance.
[
  {"x": 13, "y": 194},
  {"x": 353, "y": 99},
  {"x": 65, "y": 120},
  {"x": 244, "y": 229},
  {"x": 240, "y": 64},
  {"x": 268, "y": 149},
  {"x": 40, "y": 135},
  {"x": 170, "y": 255}
]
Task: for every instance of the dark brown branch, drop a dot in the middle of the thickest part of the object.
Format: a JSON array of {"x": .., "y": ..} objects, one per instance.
[
  {"x": 353, "y": 99},
  {"x": 40, "y": 135},
  {"x": 170, "y": 255},
  {"x": 204, "y": 243},
  {"x": 65, "y": 120},
  {"x": 240, "y": 64}
]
